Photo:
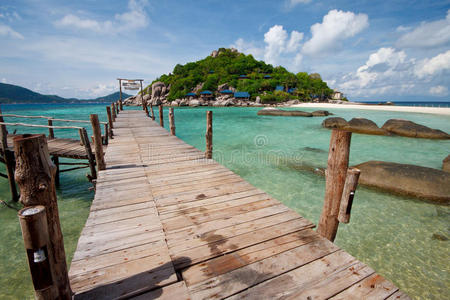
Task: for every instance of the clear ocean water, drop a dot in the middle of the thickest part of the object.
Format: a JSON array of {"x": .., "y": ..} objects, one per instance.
[{"x": 392, "y": 234}]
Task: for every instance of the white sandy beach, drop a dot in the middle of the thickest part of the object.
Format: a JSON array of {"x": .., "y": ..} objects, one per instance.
[{"x": 415, "y": 109}]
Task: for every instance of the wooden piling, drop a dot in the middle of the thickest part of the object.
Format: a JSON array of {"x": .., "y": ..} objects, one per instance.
[
  {"x": 110, "y": 122},
  {"x": 151, "y": 110},
  {"x": 146, "y": 110},
  {"x": 113, "y": 111},
  {"x": 351, "y": 182},
  {"x": 106, "y": 134},
  {"x": 161, "y": 117},
  {"x": 51, "y": 133},
  {"x": 338, "y": 157},
  {"x": 120, "y": 105},
  {"x": 55, "y": 160},
  {"x": 171, "y": 121},
  {"x": 35, "y": 175},
  {"x": 142, "y": 96},
  {"x": 97, "y": 131},
  {"x": 117, "y": 108},
  {"x": 87, "y": 146},
  {"x": 8, "y": 158},
  {"x": 209, "y": 135}
]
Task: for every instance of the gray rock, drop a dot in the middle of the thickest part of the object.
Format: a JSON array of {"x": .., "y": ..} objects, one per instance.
[
  {"x": 411, "y": 129},
  {"x": 409, "y": 180},
  {"x": 258, "y": 99},
  {"x": 183, "y": 102},
  {"x": 156, "y": 89},
  {"x": 288, "y": 113},
  {"x": 194, "y": 103},
  {"x": 335, "y": 123},
  {"x": 321, "y": 113},
  {"x": 361, "y": 125},
  {"x": 446, "y": 164}
]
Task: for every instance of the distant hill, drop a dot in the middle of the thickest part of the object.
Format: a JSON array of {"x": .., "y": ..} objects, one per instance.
[{"x": 10, "y": 93}]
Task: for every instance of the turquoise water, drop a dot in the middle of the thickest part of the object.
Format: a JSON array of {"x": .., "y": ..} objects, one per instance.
[{"x": 392, "y": 234}]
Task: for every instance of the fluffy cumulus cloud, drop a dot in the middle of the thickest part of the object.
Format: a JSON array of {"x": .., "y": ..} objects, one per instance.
[
  {"x": 278, "y": 42},
  {"x": 427, "y": 34},
  {"x": 336, "y": 26},
  {"x": 390, "y": 72},
  {"x": 7, "y": 31},
  {"x": 248, "y": 47},
  {"x": 134, "y": 18}
]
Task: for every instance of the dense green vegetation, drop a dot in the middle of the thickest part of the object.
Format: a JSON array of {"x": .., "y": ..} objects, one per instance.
[
  {"x": 229, "y": 65},
  {"x": 10, "y": 93}
]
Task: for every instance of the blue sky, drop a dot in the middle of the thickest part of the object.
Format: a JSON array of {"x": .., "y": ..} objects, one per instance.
[{"x": 370, "y": 50}]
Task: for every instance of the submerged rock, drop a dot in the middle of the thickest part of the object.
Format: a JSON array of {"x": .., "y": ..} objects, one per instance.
[
  {"x": 446, "y": 164},
  {"x": 291, "y": 113},
  {"x": 439, "y": 237},
  {"x": 321, "y": 113},
  {"x": 411, "y": 129},
  {"x": 409, "y": 180}
]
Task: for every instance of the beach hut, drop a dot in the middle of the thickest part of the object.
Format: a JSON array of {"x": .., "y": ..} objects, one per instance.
[
  {"x": 226, "y": 92},
  {"x": 242, "y": 95},
  {"x": 191, "y": 95},
  {"x": 279, "y": 88},
  {"x": 267, "y": 77},
  {"x": 206, "y": 94},
  {"x": 211, "y": 72},
  {"x": 243, "y": 77},
  {"x": 291, "y": 90}
]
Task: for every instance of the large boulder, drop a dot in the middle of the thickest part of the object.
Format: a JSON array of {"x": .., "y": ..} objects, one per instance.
[
  {"x": 361, "y": 125},
  {"x": 194, "y": 103},
  {"x": 446, "y": 164},
  {"x": 157, "y": 88},
  {"x": 184, "y": 102},
  {"x": 335, "y": 123},
  {"x": 411, "y": 129},
  {"x": 408, "y": 180},
  {"x": 321, "y": 113},
  {"x": 288, "y": 113}
]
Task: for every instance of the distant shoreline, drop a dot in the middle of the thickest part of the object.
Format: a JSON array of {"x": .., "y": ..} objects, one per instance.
[{"x": 413, "y": 109}]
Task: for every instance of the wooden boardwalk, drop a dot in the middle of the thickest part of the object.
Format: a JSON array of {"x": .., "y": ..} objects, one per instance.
[{"x": 168, "y": 223}]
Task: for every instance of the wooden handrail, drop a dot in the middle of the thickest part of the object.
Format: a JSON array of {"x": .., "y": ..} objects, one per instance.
[
  {"x": 40, "y": 126},
  {"x": 48, "y": 118}
]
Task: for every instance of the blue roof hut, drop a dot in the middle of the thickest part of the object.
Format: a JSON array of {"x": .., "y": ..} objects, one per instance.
[
  {"x": 267, "y": 77},
  {"x": 206, "y": 94},
  {"x": 242, "y": 95},
  {"x": 279, "y": 88},
  {"x": 243, "y": 77},
  {"x": 226, "y": 92}
]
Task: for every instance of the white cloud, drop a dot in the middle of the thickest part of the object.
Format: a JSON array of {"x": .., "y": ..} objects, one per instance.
[
  {"x": 4, "y": 80},
  {"x": 429, "y": 67},
  {"x": 278, "y": 42},
  {"x": 292, "y": 3},
  {"x": 102, "y": 89},
  {"x": 427, "y": 34},
  {"x": 336, "y": 26},
  {"x": 134, "y": 18},
  {"x": 7, "y": 31},
  {"x": 439, "y": 90},
  {"x": 248, "y": 48}
]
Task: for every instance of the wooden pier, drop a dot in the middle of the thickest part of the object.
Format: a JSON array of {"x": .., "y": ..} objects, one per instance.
[{"x": 168, "y": 223}]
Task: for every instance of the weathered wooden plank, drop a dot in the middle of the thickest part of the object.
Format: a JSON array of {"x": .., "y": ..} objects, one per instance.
[
  {"x": 175, "y": 291},
  {"x": 372, "y": 287}
]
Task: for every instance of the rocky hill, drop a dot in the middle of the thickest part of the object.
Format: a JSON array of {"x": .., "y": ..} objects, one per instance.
[{"x": 215, "y": 79}]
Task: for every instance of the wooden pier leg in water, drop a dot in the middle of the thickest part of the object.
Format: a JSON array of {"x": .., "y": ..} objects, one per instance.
[
  {"x": 151, "y": 110},
  {"x": 106, "y": 133},
  {"x": 351, "y": 182},
  {"x": 87, "y": 146},
  {"x": 117, "y": 108},
  {"x": 8, "y": 157},
  {"x": 99, "y": 159},
  {"x": 209, "y": 135},
  {"x": 113, "y": 111},
  {"x": 110, "y": 122},
  {"x": 35, "y": 175},
  {"x": 146, "y": 110},
  {"x": 51, "y": 134},
  {"x": 172, "y": 121},
  {"x": 338, "y": 157},
  {"x": 161, "y": 117},
  {"x": 120, "y": 105},
  {"x": 55, "y": 160}
]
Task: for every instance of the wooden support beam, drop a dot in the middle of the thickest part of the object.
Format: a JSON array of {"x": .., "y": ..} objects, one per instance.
[
  {"x": 87, "y": 146},
  {"x": 51, "y": 133},
  {"x": 117, "y": 108},
  {"x": 113, "y": 112},
  {"x": 9, "y": 159},
  {"x": 172, "y": 121},
  {"x": 105, "y": 137},
  {"x": 209, "y": 135},
  {"x": 142, "y": 96},
  {"x": 152, "y": 113},
  {"x": 99, "y": 156},
  {"x": 146, "y": 110},
  {"x": 338, "y": 157},
  {"x": 120, "y": 104},
  {"x": 110, "y": 122},
  {"x": 351, "y": 182},
  {"x": 161, "y": 116},
  {"x": 55, "y": 160},
  {"x": 35, "y": 175}
]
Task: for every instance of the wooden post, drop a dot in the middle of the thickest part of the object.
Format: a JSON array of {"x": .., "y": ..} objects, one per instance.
[
  {"x": 351, "y": 182},
  {"x": 161, "y": 117},
  {"x": 8, "y": 157},
  {"x": 35, "y": 175},
  {"x": 120, "y": 91},
  {"x": 106, "y": 134},
  {"x": 51, "y": 134},
  {"x": 142, "y": 96},
  {"x": 87, "y": 146},
  {"x": 146, "y": 110},
  {"x": 338, "y": 157},
  {"x": 171, "y": 121},
  {"x": 151, "y": 110},
  {"x": 117, "y": 108},
  {"x": 113, "y": 112},
  {"x": 99, "y": 159},
  {"x": 110, "y": 122},
  {"x": 55, "y": 160},
  {"x": 209, "y": 135},
  {"x": 120, "y": 105}
]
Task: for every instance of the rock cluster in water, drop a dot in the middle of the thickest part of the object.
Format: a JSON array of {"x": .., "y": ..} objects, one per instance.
[
  {"x": 391, "y": 127},
  {"x": 292, "y": 113}
]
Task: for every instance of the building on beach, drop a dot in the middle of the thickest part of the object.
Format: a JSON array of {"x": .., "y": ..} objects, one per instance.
[{"x": 242, "y": 95}]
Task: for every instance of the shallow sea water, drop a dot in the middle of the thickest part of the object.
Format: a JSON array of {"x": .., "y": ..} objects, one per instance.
[{"x": 392, "y": 234}]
